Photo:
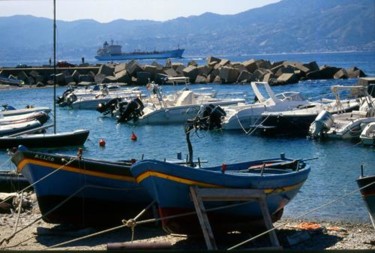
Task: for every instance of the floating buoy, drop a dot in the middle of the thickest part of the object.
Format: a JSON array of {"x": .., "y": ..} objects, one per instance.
[
  {"x": 101, "y": 142},
  {"x": 133, "y": 137},
  {"x": 223, "y": 168}
]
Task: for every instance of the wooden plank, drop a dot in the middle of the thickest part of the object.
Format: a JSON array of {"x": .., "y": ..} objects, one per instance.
[
  {"x": 203, "y": 219},
  {"x": 199, "y": 195}
]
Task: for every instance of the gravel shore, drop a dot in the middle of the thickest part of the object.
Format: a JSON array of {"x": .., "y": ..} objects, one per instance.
[{"x": 292, "y": 235}]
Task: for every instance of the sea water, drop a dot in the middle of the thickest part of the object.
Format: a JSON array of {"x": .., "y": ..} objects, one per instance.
[{"x": 330, "y": 192}]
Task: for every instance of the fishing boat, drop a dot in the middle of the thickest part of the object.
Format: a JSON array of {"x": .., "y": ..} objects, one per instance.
[
  {"x": 169, "y": 185},
  {"x": 113, "y": 52},
  {"x": 45, "y": 140},
  {"x": 366, "y": 185},
  {"x": 367, "y": 135},
  {"x": 81, "y": 191}
]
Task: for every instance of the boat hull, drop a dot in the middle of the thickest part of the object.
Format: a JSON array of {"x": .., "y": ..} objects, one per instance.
[
  {"x": 82, "y": 192},
  {"x": 74, "y": 138},
  {"x": 12, "y": 182},
  {"x": 368, "y": 194},
  {"x": 169, "y": 185},
  {"x": 139, "y": 56}
]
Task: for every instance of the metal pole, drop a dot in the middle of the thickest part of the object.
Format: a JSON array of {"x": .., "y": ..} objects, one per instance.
[{"x": 54, "y": 66}]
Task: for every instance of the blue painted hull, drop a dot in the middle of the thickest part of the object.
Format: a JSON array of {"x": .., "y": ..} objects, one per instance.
[
  {"x": 168, "y": 184},
  {"x": 81, "y": 191},
  {"x": 142, "y": 55},
  {"x": 367, "y": 185}
]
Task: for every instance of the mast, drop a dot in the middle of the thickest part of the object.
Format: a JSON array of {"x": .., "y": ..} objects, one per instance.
[{"x": 54, "y": 66}]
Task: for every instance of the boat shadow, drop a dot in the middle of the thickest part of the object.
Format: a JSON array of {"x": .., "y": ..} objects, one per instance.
[{"x": 152, "y": 236}]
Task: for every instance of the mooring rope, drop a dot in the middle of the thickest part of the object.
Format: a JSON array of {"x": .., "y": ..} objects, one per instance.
[
  {"x": 126, "y": 223},
  {"x": 303, "y": 214},
  {"x": 21, "y": 192}
]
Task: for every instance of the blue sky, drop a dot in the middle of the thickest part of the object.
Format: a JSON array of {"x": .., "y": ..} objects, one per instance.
[{"x": 108, "y": 10}]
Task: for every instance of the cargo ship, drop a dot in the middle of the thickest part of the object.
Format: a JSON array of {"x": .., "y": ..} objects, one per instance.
[{"x": 112, "y": 52}]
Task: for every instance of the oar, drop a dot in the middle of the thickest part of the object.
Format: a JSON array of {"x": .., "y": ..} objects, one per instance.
[{"x": 30, "y": 130}]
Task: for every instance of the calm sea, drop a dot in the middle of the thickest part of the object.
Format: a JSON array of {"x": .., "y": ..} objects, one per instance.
[{"x": 328, "y": 194}]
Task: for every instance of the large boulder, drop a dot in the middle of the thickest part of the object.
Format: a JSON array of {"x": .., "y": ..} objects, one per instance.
[
  {"x": 287, "y": 78},
  {"x": 106, "y": 70},
  {"x": 228, "y": 74},
  {"x": 191, "y": 72}
]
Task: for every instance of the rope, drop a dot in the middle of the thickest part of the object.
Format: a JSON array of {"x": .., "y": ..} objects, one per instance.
[
  {"x": 131, "y": 222},
  {"x": 16, "y": 232},
  {"x": 8, "y": 160},
  {"x": 300, "y": 216}
]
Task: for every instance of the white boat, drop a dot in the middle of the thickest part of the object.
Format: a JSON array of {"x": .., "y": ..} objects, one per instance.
[
  {"x": 90, "y": 99},
  {"x": 172, "y": 109},
  {"x": 348, "y": 125},
  {"x": 41, "y": 116},
  {"x": 248, "y": 116},
  {"x": 11, "y": 111},
  {"x": 11, "y": 129},
  {"x": 298, "y": 120},
  {"x": 367, "y": 135}
]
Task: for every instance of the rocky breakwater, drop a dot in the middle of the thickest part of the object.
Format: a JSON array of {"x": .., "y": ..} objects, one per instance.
[{"x": 216, "y": 70}]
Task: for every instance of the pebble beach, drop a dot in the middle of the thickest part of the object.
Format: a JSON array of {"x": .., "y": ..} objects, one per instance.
[{"x": 26, "y": 231}]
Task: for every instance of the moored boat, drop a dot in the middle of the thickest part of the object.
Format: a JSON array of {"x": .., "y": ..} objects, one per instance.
[
  {"x": 366, "y": 185},
  {"x": 112, "y": 52},
  {"x": 46, "y": 140},
  {"x": 15, "y": 128},
  {"x": 81, "y": 191},
  {"x": 367, "y": 135},
  {"x": 168, "y": 184}
]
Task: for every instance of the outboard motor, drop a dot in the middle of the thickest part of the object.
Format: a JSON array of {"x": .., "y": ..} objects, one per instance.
[
  {"x": 210, "y": 117},
  {"x": 321, "y": 124},
  {"x": 62, "y": 100},
  {"x": 131, "y": 111},
  {"x": 108, "y": 107}
]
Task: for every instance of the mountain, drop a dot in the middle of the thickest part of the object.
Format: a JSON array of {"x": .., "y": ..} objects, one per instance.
[{"x": 286, "y": 26}]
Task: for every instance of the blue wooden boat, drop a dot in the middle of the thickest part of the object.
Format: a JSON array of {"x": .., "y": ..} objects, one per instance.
[
  {"x": 81, "y": 191},
  {"x": 168, "y": 184},
  {"x": 366, "y": 185}
]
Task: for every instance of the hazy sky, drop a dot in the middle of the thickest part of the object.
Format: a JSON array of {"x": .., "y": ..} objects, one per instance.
[{"x": 108, "y": 10}]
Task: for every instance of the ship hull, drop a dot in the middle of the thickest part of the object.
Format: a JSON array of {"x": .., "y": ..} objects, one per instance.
[{"x": 138, "y": 56}]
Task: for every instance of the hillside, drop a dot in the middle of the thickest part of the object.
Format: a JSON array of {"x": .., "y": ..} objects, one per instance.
[{"x": 286, "y": 26}]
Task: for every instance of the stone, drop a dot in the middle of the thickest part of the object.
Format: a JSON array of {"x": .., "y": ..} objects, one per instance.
[
  {"x": 200, "y": 79},
  {"x": 228, "y": 74},
  {"x": 191, "y": 72},
  {"x": 143, "y": 78},
  {"x": 245, "y": 77},
  {"x": 287, "y": 78},
  {"x": 106, "y": 70},
  {"x": 250, "y": 65},
  {"x": 341, "y": 74}
]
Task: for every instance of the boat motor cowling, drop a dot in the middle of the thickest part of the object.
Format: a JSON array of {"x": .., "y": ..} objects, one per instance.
[
  {"x": 210, "y": 117},
  {"x": 321, "y": 124},
  {"x": 130, "y": 111},
  {"x": 108, "y": 107}
]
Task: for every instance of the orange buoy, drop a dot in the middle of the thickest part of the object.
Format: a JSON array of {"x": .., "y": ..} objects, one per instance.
[
  {"x": 101, "y": 142},
  {"x": 133, "y": 137}
]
